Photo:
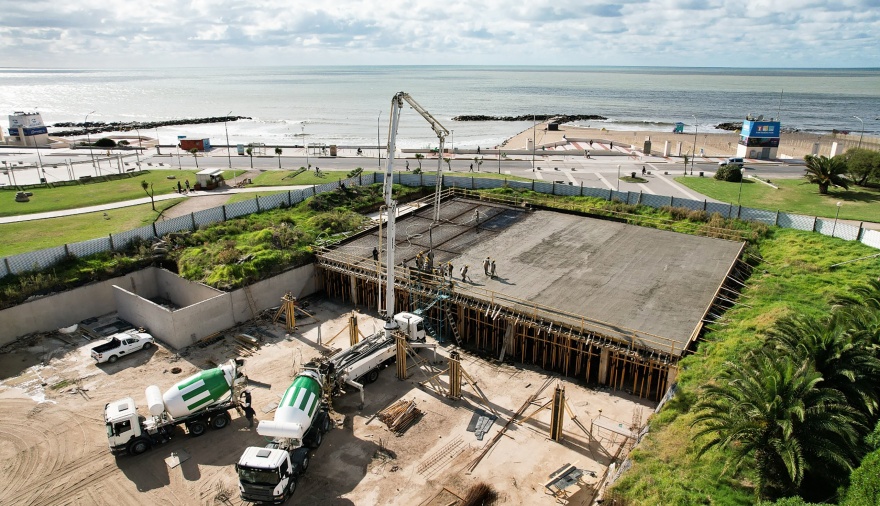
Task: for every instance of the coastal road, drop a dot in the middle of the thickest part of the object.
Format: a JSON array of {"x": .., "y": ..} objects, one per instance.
[{"x": 597, "y": 172}]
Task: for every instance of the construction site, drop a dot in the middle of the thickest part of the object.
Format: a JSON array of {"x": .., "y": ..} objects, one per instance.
[
  {"x": 468, "y": 349},
  {"x": 600, "y": 301}
]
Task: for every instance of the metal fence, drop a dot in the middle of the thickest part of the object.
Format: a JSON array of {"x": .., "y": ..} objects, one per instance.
[{"x": 36, "y": 260}]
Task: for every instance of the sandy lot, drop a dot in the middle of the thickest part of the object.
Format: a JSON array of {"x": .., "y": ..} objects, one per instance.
[{"x": 54, "y": 449}]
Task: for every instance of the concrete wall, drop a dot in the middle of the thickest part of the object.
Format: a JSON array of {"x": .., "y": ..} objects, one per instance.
[
  {"x": 64, "y": 309},
  {"x": 205, "y": 310}
]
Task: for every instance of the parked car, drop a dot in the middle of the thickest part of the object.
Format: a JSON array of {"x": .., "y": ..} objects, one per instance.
[
  {"x": 123, "y": 343},
  {"x": 733, "y": 162}
]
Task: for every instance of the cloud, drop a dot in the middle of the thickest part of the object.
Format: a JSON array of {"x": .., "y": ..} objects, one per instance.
[{"x": 92, "y": 33}]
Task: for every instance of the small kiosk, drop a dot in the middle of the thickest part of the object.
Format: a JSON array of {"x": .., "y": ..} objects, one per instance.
[
  {"x": 209, "y": 179},
  {"x": 759, "y": 138}
]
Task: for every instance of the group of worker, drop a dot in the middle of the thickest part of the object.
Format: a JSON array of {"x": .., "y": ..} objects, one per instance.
[{"x": 424, "y": 262}]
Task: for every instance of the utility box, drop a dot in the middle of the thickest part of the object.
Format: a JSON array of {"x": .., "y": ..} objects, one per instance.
[
  {"x": 647, "y": 147},
  {"x": 199, "y": 144},
  {"x": 553, "y": 127},
  {"x": 240, "y": 148},
  {"x": 333, "y": 150}
]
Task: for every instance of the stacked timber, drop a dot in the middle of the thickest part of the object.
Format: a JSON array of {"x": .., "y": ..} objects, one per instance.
[{"x": 400, "y": 415}]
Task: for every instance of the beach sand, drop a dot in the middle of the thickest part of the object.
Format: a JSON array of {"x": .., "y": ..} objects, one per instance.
[{"x": 792, "y": 145}]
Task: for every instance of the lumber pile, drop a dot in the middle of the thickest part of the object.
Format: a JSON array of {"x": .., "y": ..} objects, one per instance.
[{"x": 400, "y": 416}]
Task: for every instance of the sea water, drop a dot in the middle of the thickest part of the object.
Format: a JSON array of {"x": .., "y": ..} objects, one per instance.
[{"x": 349, "y": 105}]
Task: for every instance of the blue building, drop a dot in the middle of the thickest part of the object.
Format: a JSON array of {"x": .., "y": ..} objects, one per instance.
[{"x": 758, "y": 139}]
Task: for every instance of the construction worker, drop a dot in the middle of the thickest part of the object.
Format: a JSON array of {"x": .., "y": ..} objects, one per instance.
[
  {"x": 419, "y": 260},
  {"x": 248, "y": 409},
  {"x": 463, "y": 272},
  {"x": 376, "y": 254},
  {"x": 492, "y": 269},
  {"x": 486, "y": 263}
]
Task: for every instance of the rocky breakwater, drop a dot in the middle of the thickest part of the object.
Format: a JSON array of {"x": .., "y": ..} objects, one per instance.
[
  {"x": 93, "y": 127},
  {"x": 555, "y": 118}
]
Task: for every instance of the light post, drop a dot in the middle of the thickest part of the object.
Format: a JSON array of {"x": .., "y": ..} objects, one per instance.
[
  {"x": 833, "y": 228},
  {"x": 305, "y": 144},
  {"x": 6, "y": 170},
  {"x": 452, "y": 134},
  {"x": 694, "y": 157},
  {"x": 137, "y": 151},
  {"x": 534, "y": 141},
  {"x": 158, "y": 144},
  {"x": 89, "y": 140},
  {"x": 741, "y": 177},
  {"x": 228, "y": 147},
  {"x": 863, "y": 130},
  {"x": 378, "y": 141},
  {"x": 618, "y": 177}
]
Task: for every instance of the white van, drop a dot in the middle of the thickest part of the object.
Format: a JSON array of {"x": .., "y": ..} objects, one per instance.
[{"x": 735, "y": 162}]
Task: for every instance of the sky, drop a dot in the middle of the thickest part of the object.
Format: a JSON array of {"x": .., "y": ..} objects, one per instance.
[{"x": 210, "y": 33}]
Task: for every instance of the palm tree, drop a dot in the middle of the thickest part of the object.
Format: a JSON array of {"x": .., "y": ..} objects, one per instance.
[
  {"x": 194, "y": 151},
  {"x": 419, "y": 157},
  {"x": 148, "y": 189},
  {"x": 250, "y": 153},
  {"x": 770, "y": 415},
  {"x": 278, "y": 152},
  {"x": 825, "y": 172},
  {"x": 844, "y": 360},
  {"x": 448, "y": 164}
]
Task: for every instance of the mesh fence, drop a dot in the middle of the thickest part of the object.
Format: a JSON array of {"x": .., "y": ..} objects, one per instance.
[
  {"x": 656, "y": 201},
  {"x": 719, "y": 207},
  {"x": 760, "y": 215},
  {"x": 36, "y": 260},
  {"x": 173, "y": 225},
  {"x": 795, "y": 221},
  {"x": 90, "y": 247},
  {"x": 208, "y": 216},
  {"x": 871, "y": 238},
  {"x": 241, "y": 208},
  {"x": 48, "y": 257}
]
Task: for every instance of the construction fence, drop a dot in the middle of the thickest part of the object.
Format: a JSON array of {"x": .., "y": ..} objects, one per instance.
[{"x": 41, "y": 259}]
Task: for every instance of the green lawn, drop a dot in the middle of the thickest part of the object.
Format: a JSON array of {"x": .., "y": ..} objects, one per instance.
[
  {"x": 287, "y": 178},
  {"x": 793, "y": 196},
  {"x": 239, "y": 197},
  {"x": 27, "y": 236},
  {"x": 72, "y": 197}
]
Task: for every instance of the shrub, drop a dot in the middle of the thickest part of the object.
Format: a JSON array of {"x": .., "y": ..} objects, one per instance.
[
  {"x": 729, "y": 173},
  {"x": 105, "y": 142},
  {"x": 356, "y": 172},
  {"x": 698, "y": 215}
]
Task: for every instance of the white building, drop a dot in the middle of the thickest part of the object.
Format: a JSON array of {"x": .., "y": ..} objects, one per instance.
[{"x": 27, "y": 129}]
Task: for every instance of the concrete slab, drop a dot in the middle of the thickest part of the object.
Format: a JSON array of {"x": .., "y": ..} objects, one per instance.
[{"x": 616, "y": 278}]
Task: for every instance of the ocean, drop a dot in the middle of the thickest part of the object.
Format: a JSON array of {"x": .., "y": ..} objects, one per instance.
[{"x": 349, "y": 105}]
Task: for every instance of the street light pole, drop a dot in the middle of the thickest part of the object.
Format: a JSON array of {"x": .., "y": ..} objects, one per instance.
[
  {"x": 137, "y": 152},
  {"x": 694, "y": 157},
  {"x": 863, "y": 130},
  {"x": 833, "y": 228},
  {"x": 158, "y": 144},
  {"x": 228, "y": 147},
  {"x": 452, "y": 134},
  {"x": 305, "y": 144},
  {"x": 534, "y": 141},
  {"x": 618, "y": 177},
  {"x": 378, "y": 141},
  {"x": 89, "y": 140}
]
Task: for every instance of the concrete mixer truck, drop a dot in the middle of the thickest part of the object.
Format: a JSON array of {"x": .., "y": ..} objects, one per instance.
[
  {"x": 200, "y": 401},
  {"x": 269, "y": 474}
]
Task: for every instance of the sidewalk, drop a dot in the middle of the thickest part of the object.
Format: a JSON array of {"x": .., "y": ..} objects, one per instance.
[{"x": 143, "y": 200}]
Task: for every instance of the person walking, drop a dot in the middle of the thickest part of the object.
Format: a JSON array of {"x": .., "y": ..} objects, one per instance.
[
  {"x": 463, "y": 272},
  {"x": 486, "y": 263},
  {"x": 179, "y": 187},
  {"x": 472, "y": 168},
  {"x": 449, "y": 270},
  {"x": 407, "y": 165},
  {"x": 612, "y": 144},
  {"x": 187, "y": 186},
  {"x": 492, "y": 269},
  {"x": 248, "y": 409}
]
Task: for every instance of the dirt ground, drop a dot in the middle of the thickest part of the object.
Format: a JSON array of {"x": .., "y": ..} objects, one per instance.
[{"x": 53, "y": 447}]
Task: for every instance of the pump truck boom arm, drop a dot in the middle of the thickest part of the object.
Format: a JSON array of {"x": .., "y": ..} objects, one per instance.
[{"x": 391, "y": 204}]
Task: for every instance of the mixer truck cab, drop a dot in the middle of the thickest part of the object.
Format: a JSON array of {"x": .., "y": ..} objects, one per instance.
[
  {"x": 200, "y": 401},
  {"x": 412, "y": 325},
  {"x": 269, "y": 475}
]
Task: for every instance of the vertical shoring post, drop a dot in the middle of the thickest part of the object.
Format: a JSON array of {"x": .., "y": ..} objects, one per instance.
[
  {"x": 557, "y": 413},
  {"x": 401, "y": 357},
  {"x": 353, "y": 329},
  {"x": 454, "y": 375}
]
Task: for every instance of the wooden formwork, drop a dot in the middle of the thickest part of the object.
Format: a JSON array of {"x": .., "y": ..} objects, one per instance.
[{"x": 573, "y": 352}]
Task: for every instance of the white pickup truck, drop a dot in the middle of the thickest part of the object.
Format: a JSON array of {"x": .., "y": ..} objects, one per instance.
[{"x": 123, "y": 343}]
